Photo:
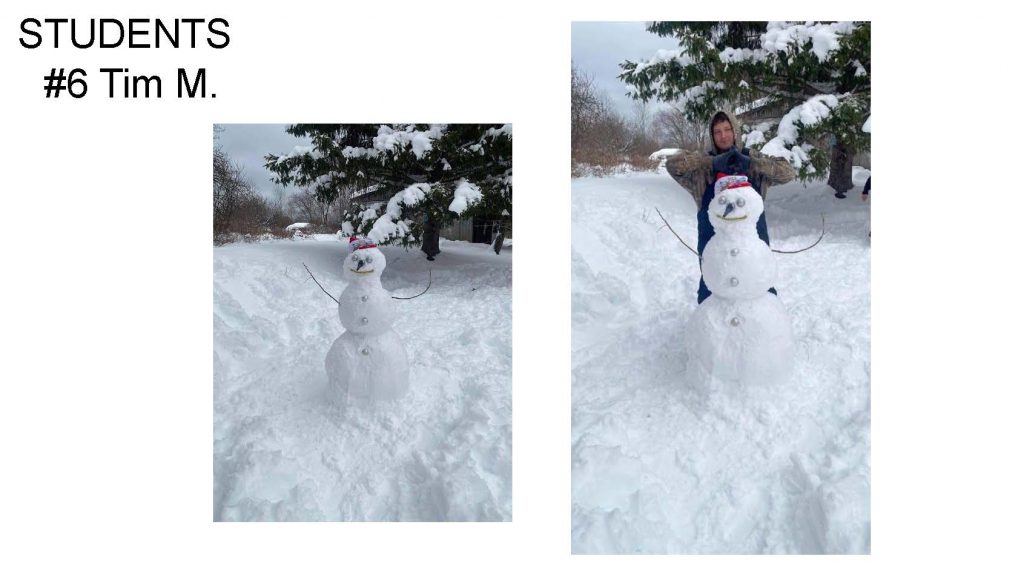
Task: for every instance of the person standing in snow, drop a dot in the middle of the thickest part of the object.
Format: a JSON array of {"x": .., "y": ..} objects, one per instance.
[
  {"x": 864, "y": 198},
  {"x": 698, "y": 171}
]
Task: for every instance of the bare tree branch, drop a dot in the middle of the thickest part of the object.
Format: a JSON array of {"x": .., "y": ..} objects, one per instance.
[
  {"x": 320, "y": 285},
  {"x": 430, "y": 279},
  {"x": 809, "y": 247},
  {"x": 674, "y": 232}
]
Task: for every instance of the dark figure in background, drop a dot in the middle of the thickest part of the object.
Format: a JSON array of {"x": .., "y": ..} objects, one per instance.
[
  {"x": 698, "y": 171},
  {"x": 864, "y": 198},
  {"x": 431, "y": 238},
  {"x": 499, "y": 240}
]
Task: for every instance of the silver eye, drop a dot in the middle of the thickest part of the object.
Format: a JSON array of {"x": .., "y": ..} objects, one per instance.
[
  {"x": 740, "y": 202},
  {"x": 721, "y": 200},
  {"x": 369, "y": 259}
]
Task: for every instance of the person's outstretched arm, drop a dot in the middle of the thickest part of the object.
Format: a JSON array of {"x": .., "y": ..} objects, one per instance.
[
  {"x": 774, "y": 170},
  {"x": 690, "y": 168}
]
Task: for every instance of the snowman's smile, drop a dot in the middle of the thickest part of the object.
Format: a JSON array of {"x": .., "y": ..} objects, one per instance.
[
  {"x": 744, "y": 217},
  {"x": 370, "y": 271}
]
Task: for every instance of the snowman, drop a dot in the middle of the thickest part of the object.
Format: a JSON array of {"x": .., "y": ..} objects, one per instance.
[
  {"x": 368, "y": 362},
  {"x": 741, "y": 333}
]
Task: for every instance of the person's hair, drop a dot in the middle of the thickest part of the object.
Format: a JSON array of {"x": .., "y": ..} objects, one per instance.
[
  {"x": 717, "y": 119},
  {"x": 720, "y": 117}
]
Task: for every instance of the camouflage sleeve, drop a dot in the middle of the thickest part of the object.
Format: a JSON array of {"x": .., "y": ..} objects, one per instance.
[
  {"x": 690, "y": 168},
  {"x": 772, "y": 170}
]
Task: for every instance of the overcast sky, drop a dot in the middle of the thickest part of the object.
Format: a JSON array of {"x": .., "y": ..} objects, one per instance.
[
  {"x": 599, "y": 47},
  {"x": 247, "y": 144}
]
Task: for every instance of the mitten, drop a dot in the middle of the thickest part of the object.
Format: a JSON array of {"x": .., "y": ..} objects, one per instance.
[{"x": 731, "y": 162}]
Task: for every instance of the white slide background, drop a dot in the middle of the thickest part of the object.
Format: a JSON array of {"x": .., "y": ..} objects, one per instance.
[{"x": 105, "y": 401}]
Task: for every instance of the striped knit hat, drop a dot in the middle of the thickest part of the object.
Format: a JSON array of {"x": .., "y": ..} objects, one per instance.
[
  {"x": 356, "y": 243},
  {"x": 725, "y": 182}
]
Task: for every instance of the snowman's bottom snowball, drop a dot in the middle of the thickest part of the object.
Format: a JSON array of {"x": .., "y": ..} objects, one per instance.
[
  {"x": 368, "y": 367},
  {"x": 744, "y": 341}
]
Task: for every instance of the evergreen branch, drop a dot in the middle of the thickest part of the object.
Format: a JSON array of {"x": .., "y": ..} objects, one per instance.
[
  {"x": 786, "y": 96},
  {"x": 785, "y": 93}
]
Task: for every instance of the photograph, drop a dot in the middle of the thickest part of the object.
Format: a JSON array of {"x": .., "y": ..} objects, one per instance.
[
  {"x": 362, "y": 322},
  {"x": 721, "y": 287}
]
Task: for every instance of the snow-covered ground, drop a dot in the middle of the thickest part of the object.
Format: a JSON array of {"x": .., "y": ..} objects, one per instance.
[
  {"x": 283, "y": 452},
  {"x": 659, "y": 466}
]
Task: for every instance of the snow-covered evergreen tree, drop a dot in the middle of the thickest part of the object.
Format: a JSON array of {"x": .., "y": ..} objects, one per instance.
[
  {"x": 426, "y": 172},
  {"x": 819, "y": 71}
]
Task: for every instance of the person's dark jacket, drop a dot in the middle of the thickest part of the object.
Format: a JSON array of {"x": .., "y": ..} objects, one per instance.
[{"x": 697, "y": 171}]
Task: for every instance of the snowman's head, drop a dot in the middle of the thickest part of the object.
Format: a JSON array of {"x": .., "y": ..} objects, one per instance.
[
  {"x": 736, "y": 204},
  {"x": 364, "y": 260}
]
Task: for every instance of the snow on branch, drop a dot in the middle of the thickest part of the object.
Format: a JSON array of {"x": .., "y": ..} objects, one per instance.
[
  {"x": 733, "y": 55},
  {"x": 299, "y": 151},
  {"x": 391, "y": 224},
  {"x": 421, "y": 141},
  {"x": 811, "y": 112},
  {"x": 353, "y": 152},
  {"x": 466, "y": 194},
  {"x": 824, "y": 38},
  {"x": 495, "y": 132},
  {"x": 663, "y": 55},
  {"x": 697, "y": 93},
  {"x": 388, "y": 140}
]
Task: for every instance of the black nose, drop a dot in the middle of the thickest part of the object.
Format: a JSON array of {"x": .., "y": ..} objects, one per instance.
[
  {"x": 359, "y": 265},
  {"x": 728, "y": 208}
]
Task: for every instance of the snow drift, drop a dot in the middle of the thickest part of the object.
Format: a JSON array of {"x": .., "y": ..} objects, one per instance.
[
  {"x": 282, "y": 451},
  {"x": 662, "y": 465}
]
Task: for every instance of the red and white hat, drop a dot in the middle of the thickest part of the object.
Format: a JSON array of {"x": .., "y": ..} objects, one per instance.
[
  {"x": 725, "y": 182},
  {"x": 357, "y": 243}
]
